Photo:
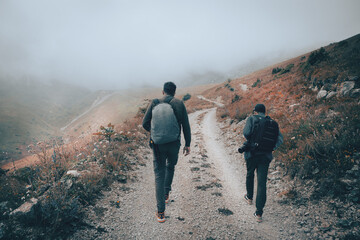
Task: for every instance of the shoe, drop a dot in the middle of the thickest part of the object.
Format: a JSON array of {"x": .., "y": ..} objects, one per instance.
[
  {"x": 248, "y": 200},
  {"x": 160, "y": 217},
  {"x": 167, "y": 198},
  {"x": 258, "y": 217}
]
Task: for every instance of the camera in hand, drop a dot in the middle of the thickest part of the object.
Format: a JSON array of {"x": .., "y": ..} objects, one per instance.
[{"x": 245, "y": 147}]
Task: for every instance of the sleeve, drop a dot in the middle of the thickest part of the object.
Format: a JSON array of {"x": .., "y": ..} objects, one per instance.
[
  {"x": 186, "y": 127},
  {"x": 147, "y": 117},
  {"x": 279, "y": 141},
  {"x": 248, "y": 128}
]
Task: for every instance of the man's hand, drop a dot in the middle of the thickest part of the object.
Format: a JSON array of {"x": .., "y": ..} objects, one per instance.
[{"x": 186, "y": 151}]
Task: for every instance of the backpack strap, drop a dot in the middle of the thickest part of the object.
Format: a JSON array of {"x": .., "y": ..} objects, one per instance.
[
  {"x": 169, "y": 100},
  {"x": 156, "y": 101},
  {"x": 256, "y": 126}
]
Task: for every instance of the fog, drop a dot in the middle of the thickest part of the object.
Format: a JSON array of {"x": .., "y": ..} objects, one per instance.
[{"x": 129, "y": 43}]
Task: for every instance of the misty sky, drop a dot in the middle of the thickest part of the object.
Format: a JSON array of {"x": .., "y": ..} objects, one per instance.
[{"x": 126, "y": 43}]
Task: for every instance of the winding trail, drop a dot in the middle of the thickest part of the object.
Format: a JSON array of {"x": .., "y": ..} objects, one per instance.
[
  {"x": 206, "y": 201},
  {"x": 96, "y": 103}
]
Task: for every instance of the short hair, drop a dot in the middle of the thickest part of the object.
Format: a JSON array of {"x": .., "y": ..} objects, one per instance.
[
  {"x": 170, "y": 88},
  {"x": 260, "y": 108}
]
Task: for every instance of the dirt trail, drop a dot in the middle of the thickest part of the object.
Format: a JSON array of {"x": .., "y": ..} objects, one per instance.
[{"x": 206, "y": 201}]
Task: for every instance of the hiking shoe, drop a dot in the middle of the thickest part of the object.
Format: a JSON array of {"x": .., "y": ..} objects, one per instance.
[
  {"x": 160, "y": 217},
  {"x": 258, "y": 217},
  {"x": 167, "y": 198},
  {"x": 248, "y": 200}
]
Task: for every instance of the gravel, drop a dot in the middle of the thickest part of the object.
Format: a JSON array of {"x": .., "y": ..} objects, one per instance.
[{"x": 207, "y": 197}]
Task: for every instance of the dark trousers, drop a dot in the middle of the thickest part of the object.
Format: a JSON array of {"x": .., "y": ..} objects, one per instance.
[
  {"x": 165, "y": 159},
  {"x": 260, "y": 163}
]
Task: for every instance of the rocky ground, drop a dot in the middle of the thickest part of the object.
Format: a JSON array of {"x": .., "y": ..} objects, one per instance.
[
  {"x": 206, "y": 201},
  {"x": 207, "y": 198},
  {"x": 326, "y": 218}
]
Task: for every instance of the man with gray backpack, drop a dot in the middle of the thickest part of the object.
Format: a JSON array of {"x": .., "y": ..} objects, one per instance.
[
  {"x": 164, "y": 119},
  {"x": 262, "y": 137}
]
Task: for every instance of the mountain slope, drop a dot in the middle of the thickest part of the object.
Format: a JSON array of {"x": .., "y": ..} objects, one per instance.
[
  {"x": 316, "y": 100},
  {"x": 31, "y": 111}
]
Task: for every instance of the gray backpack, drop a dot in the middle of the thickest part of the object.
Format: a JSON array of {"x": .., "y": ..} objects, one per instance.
[{"x": 164, "y": 125}]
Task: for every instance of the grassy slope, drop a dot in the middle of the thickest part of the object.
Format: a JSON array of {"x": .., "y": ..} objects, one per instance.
[
  {"x": 313, "y": 139},
  {"x": 278, "y": 92},
  {"x": 33, "y": 111}
]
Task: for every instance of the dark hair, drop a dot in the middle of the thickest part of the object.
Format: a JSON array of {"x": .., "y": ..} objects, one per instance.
[
  {"x": 170, "y": 88},
  {"x": 259, "y": 108}
]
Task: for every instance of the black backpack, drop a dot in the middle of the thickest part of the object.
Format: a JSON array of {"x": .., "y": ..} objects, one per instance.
[{"x": 265, "y": 134}]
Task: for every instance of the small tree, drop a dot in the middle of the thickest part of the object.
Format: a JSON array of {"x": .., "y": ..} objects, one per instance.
[{"x": 106, "y": 132}]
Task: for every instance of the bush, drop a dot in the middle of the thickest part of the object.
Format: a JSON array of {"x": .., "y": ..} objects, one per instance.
[
  {"x": 186, "y": 97},
  {"x": 61, "y": 197},
  {"x": 223, "y": 112},
  {"x": 276, "y": 70},
  {"x": 236, "y": 98},
  {"x": 317, "y": 56},
  {"x": 106, "y": 132},
  {"x": 60, "y": 211},
  {"x": 257, "y": 83},
  {"x": 227, "y": 85},
  {"x": 239, "y": 116},
  {"x": 287, "y": 69},
  {"x": 324, "y": 147}
]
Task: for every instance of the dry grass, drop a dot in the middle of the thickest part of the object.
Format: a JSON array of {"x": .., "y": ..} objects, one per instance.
[
  {"x": 62, "y": 197},
  {"x": 291, "y": 102}
]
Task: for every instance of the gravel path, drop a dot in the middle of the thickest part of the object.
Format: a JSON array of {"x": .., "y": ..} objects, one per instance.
[{"x": 206, "y": 201}]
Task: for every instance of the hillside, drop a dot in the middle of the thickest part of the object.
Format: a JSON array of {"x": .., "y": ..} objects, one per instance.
[
  {"x": 314, "y": 97},
  {"x": 31, "y": 111},
  {"x": 87, "y": 190}
]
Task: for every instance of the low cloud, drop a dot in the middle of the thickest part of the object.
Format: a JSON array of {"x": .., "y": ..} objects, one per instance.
[{"x": 120, "y": 44}]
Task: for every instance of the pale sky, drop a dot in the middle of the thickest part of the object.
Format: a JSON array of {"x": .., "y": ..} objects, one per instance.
[{"x": 126, "y": 43}]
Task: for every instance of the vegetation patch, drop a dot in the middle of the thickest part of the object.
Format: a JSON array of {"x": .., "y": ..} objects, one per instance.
[
  {"x": 228, "y": 86},
  {"x": 209, "y": 185},
  {"x": 257, "y": 83},
  {"x": 225, "y": 211},
  {"x": 206, "y": 165},
  {"x": 317, "y": 56},
  {"x": 218, "y": 194},
  {"x": 186, "y": 97},
  {"x": 286, "y": 69},
  {"x": 236, "y": 98},
  {"x": 195, "y": 169},
  {"x": 276, "y": 70},
  {"x": 65, "y": 182}
]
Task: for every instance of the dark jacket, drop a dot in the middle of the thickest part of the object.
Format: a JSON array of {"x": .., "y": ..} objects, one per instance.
[
  {"x": 248, "y": 131},
  {"x": 180, "y": 113}
]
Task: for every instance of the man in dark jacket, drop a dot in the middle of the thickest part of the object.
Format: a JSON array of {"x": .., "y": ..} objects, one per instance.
[
  {"x": 259, "y": 161},
  {"x": 166, "y": 155}
]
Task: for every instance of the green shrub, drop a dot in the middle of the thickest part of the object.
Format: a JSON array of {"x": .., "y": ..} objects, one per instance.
[
  {"x": 257, "y": 83},
  {"x": 276, "y": 70},
  {"x": 317, "y": 56},
  {"x": 287, "y": 69},
  {"x": 186, "y": 97},
  {"x": 236, "y": 98},
  {"x": 323, "y": 147},
  {"x": 106, "y": 132}
]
